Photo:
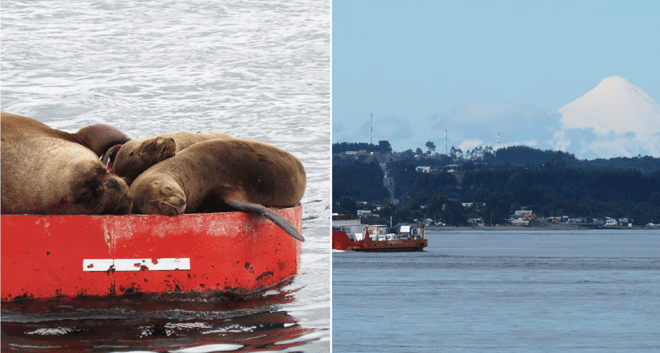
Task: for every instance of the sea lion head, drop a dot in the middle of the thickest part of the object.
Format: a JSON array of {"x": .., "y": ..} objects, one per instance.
[
  {"x": 158, "y": 196},
  {"x": 95, "y": 191},
  {"x": 100, "y": 137},
  {"x": 136, "y": 156}
]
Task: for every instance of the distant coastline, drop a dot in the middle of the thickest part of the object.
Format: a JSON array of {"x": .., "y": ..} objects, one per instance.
[{"x": 543, "y": 226}]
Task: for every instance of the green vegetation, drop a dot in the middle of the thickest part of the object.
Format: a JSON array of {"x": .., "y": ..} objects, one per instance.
[{"x": 495, "y": 183}]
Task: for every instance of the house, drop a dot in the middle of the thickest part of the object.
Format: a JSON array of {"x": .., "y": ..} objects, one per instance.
[
  {"x": 423, "y": 169},
  {"x": 476, "y": 222},
  {"x": 519, "y": 222}
]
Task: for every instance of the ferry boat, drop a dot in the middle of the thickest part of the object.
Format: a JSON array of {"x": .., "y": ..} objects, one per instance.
[
  {"x": 72, "y": 256},
  {"x": 375, "y": 238}
]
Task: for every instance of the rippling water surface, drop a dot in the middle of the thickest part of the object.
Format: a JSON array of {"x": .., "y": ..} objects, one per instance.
[
  {"x": 251, "y": 69},
  {"x": 502, "y": 291}
]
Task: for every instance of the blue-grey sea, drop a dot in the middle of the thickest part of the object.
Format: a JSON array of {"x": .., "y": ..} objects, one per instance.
[
  {"x": 502, "y": 291},
  {"x": 252, "y": 69}
]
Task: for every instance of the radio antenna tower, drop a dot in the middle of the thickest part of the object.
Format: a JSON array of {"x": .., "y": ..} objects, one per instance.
[
  {"x": 446, "y": 150},
  {"x": 372, "y": 128},
  {"x": 498, "y": 139}
]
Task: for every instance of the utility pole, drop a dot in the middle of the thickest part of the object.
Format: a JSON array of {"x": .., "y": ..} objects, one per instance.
[{"x": 372, "y": 128}]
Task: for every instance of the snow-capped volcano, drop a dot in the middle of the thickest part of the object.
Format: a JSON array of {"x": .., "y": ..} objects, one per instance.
[{"x": 625, "y": 120}]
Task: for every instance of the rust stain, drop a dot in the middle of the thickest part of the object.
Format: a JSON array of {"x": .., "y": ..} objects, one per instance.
[{"x": 267, "y": 273}]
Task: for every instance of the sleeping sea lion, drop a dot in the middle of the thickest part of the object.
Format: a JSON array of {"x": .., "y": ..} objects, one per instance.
[
  {"x": 97, "y": 137},
  {"x": 49, "y": 175},
  {"x": 47, "y": 171},
  {"x": 222, "y": 175},
  {"x": 136, "y": 156}
]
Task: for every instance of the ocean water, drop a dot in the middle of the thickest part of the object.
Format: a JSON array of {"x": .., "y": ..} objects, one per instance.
[
  {"x": 251, "y": 69},
  {"x": 502, "y": 291}
]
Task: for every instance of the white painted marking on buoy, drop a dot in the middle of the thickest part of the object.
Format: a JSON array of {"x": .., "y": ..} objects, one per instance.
[{"x": 167, "y": 264}]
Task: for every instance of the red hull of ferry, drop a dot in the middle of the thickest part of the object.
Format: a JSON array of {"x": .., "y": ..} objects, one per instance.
[{"x": 340, "y": 241}]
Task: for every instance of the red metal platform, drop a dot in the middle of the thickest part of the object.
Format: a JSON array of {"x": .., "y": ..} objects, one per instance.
[{"x": 67, "y": 256}]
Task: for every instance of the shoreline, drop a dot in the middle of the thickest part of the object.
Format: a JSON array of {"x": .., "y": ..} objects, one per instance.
[{"x": 549, "y": 226}]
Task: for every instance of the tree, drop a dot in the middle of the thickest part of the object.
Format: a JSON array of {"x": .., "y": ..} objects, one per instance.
[
  {"x": 418, "y": 151},
  {"x": 384, "y": 146},
  {"x": 430, "y": 146},
  {"x": 459, "y": 153},
  {"x": 514, "y": 207},
  {"x": 348, "y": 205},
  {"x": 478, "y": 153},
  {"x": 495, "y": 210},
  {"x": 408, "y": 154},
  {"x": 452, "y": 213},
  {"x": 434, "y": 206}
]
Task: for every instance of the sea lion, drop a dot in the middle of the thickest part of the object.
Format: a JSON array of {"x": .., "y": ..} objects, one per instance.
[
  {"x": 97, "y": 137},
  {"x": 136, "y": 156},
  {"x": 221, "y": 175},
  {"x": 50, "y": 175}
]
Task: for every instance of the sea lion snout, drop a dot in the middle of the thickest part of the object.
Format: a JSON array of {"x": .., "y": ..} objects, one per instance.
[
  {"x": 172, "y": 198},
  {"x": 172, "y": 206},
  {"x": 182, "y": 202},
  {"x": 112, "y": 183},
  {"x": 119, "y": 199}
]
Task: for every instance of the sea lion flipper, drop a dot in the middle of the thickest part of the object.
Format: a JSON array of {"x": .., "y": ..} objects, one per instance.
[{"x": 277, "y": 219}]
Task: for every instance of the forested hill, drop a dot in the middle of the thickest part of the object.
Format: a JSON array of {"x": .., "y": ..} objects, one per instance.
[
  {"x": 518, "y": 155},
  {"x": 523, "y": 155},
  {"x": 550, "y": 182}
]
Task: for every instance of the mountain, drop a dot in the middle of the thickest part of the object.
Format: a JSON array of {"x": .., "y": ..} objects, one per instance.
[{"x": 624, "y": 119}]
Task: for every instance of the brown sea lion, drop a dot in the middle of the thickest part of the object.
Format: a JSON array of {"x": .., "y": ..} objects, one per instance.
[
  {"x": 50, "y": 175},
  {"x": 136, "y": 156},
  {"x": 97, "y": 137},
  {"x": 221, "y": 175}
]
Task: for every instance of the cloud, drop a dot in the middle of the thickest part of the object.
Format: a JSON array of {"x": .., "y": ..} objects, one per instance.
[
  {"x": 391, "y": 129},
  {"x": 470, "y": 144},
  {"x": 618, "y": 146},
  {"x": 497, "y": 111},
  {"x": 560, "y": 142},
  {"x": 518, "y": 123}
]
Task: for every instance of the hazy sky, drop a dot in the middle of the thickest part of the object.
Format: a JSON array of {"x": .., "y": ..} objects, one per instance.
[{"x": 476, "y": 67}]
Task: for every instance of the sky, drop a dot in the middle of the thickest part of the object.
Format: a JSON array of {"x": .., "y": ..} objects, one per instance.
[{"x": 479, "y": 67}]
